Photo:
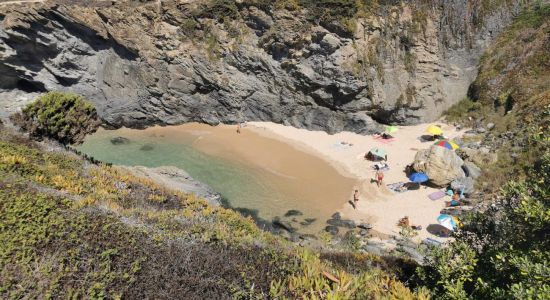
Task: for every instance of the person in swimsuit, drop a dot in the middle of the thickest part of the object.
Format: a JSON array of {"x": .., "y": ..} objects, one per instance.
[
  {"x": 379, "y": 177},
  {"x": 355, "y": 198}
]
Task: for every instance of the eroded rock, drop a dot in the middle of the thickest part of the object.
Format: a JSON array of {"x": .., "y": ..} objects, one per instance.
[{"x": 440, "y": 164}]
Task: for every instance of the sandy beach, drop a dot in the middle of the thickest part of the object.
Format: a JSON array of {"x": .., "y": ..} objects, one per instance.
[{"x": 379, "y": 206}]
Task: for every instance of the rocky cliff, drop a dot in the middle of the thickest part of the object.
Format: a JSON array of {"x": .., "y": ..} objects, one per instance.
[{"x": 170, "y": 62}]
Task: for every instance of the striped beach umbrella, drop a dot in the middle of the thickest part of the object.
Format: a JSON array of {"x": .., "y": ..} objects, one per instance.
[{"x": 447, "y": 144}]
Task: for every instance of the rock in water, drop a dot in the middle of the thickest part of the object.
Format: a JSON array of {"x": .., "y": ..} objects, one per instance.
[
  {"x": 332, "y": 230},
  {"x": 277, "y": 222},
  {"x": 440, "y": 164},
  {"x": 308, "y": 221},
  {"x": 293, "y": 212},
  {"x": 147, "y": 147},
  {"x": 120, "y": 141}
]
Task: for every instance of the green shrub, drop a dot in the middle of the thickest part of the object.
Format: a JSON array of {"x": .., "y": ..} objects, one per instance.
[
  {"x": 65, "y": 117},
  {"x": 462, "y": 110},
  {"x": 502, "y": 253}
]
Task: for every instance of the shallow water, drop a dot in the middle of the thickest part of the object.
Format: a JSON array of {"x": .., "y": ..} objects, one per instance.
[{"x": 256, "y": 174}]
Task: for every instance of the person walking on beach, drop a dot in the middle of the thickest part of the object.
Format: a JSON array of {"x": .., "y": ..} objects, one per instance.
[
  {"x": 379, "y": 177},
  {"x": 355, "y": 199},
  {"x": 239, "y": 127}
]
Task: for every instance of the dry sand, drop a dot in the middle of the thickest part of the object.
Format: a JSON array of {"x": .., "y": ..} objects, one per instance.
[{"x": 379, "y": 206}]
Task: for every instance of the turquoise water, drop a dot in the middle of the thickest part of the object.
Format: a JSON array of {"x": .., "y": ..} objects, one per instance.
[
  {"x": 259, "y": 192},
  {"x": 231, "y": 179}
]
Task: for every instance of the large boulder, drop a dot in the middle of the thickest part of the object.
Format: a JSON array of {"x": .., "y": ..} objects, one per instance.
[{"x": 440, "y": 164}]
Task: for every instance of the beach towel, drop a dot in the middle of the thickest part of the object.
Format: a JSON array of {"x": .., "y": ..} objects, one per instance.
[
  {"x": 397, "y": 187},
  {"x": 382, "y": 140},
  {"x": 340, "y": 146},
  {"x": 381, "y": 166},
  {"x": 437, "y": 195}
]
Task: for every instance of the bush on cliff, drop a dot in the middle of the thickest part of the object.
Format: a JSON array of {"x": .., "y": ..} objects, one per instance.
[
  {"x": 65, "y": 117},
  {"x": 502, "y": 252}
]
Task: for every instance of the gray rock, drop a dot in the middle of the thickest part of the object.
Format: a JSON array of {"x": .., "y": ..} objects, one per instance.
[
  {"x": 283, "y": 224},
  {"x": 308, "y": 221},
  {"x": 293, "y": 212},
  {"x": 308, "y": 237},
  {"x": 147, "y": 147},
  {"x": 414, "y": 254},
  {"x": 341, "y": 223},
  {"x": 365, "y": 226},
  {"x": 330, "y": 43},
  {"x": 375, "y": 250},
  {"x": 490, "y": 126},
  {"x": 364, "y": 232},
  {"x": 120, "y": 140},
  {"x": 481, "y": 130},
  {"x": 471, "y": 169},
  {"x": 258, "y": 19},
  {"x": 466, "y": 184},
  {"x": 440, "y": 164},
  {"x": 178, "y": 179},
  {"x": 286, "y": 70},
  {"x": 332, "y": 229}
]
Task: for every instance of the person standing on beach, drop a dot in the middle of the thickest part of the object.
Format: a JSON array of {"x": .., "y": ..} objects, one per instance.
[
  {"x": 239, "y": 127},
  {"x": 379, "y": 177},
  {"x": 355, "y": 199}
]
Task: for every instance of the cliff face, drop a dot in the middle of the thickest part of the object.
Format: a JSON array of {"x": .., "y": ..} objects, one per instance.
[{"x": 170, "y": 62}]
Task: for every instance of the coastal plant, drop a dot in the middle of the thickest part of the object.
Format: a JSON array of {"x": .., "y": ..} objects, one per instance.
[
  {"x": 65, "y": 117},
  {"x": 501, "y": 253},
  {"x": 116, "y": 235}
]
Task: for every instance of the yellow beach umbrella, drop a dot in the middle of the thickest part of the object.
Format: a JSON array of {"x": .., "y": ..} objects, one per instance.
[{"x": 434, "y": 130}]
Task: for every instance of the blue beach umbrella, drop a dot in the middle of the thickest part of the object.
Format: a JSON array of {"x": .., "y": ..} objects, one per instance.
[{"x": 418, "y": 177}]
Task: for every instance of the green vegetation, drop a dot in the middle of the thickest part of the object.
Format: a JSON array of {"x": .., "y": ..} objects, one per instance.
[
  {"x": 71, "y": 229},
  {"x": 512, "y": 91},
  {"x": 65, "y": 117},
  {"x": 502, "y": 252}
]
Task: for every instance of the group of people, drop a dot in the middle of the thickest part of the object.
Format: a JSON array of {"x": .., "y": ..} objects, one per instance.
[{"x": 455, "y": 199}]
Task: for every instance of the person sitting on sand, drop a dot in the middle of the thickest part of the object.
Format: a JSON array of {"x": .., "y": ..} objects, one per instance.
[
  {"x": 369, "y": 156},
  {"x": 405, "y": 223},
  {"x": 379, "y": 177},
  {"x": 386, "y": 136}
]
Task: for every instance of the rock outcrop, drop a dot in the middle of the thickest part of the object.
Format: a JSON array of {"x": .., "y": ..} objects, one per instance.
[
  {"x": 178, "y": 179},
  {"x": 170, "y": 62},
  {"x": 440, "y": 164}
]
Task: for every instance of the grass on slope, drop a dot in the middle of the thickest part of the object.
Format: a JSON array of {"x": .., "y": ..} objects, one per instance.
[
  {"x": 512, "y": 91},
  {"x": 74, "y": 229}
]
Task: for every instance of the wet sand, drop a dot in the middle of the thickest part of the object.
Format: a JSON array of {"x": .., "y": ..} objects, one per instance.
[{"x": 379, "y": 206}]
